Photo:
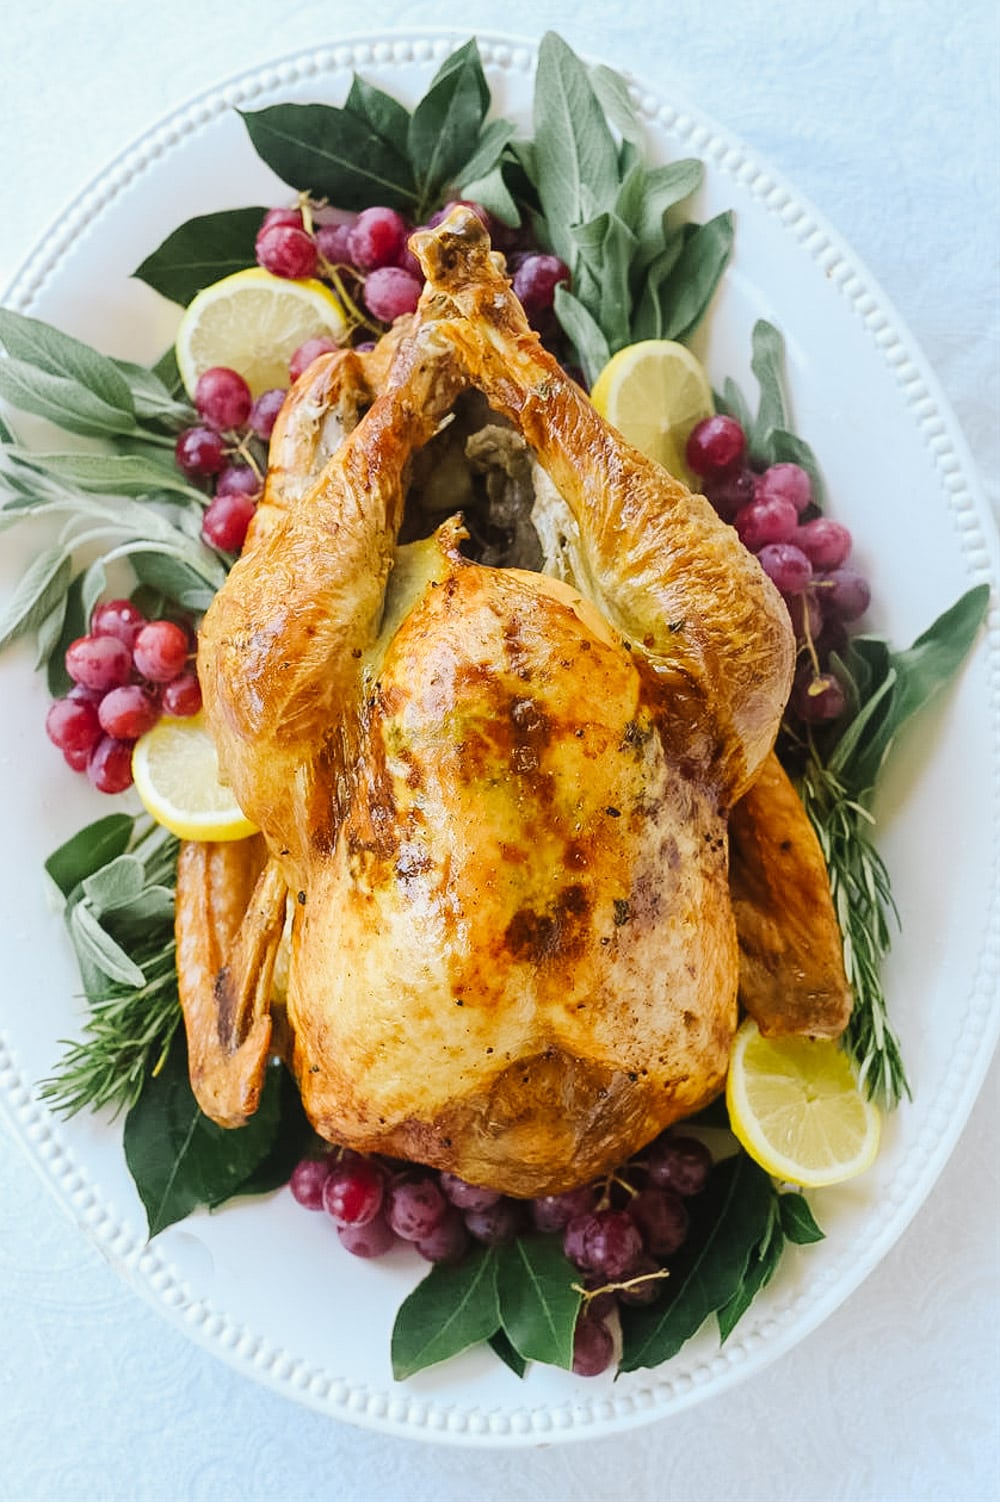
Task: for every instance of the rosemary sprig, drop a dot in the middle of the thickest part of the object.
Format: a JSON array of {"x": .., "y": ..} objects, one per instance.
[{"x": 862, "y": 896}]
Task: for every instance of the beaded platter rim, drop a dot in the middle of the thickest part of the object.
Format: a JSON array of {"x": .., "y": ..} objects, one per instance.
[{"x": 683, "y": 1381}]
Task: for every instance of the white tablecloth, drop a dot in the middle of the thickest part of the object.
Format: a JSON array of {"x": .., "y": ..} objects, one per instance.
[{"x": 886, "y": 115}]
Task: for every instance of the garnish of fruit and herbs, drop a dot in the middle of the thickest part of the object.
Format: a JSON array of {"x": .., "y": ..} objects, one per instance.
[{"x": 600, "y": 254}]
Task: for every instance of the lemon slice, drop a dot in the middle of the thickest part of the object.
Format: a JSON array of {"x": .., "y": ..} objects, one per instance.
[
  {"x": 253, "y": 322},
  {"x": 653, "y": 393},
  {"x": 795, "y": 1105},
  {"x": 176, "y": 775}
]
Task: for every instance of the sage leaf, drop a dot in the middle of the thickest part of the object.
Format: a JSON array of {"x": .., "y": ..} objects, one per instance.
[
  {"x": 389, "y": 119},
  {"x": 33, "y": 342},
  {"x": 74, "y": 625},
  {"x": 649, "y": 319},
  {"x": 615, "y": 100},
  {"x": 49, "y": 631},
  {"x": 43, "y": 583},
  {"x": 501, "y": 1345},
  {"x": 154, "y": 400},
  {"x": 663, "y": 187},
  {"x": 167, "y": 372},
  {"x": 114, "y": 474},
  {"x": 732, "y": 403},
  {"x": 115, "y": 885},
  {"x": 178, "y": 1158},
  {"x": 63, "y": 401},
  {"x": 201, "y": 251},
  {"x": 174, "y": 578},
  {"x": 585, "y": 332},
  {"x": 691, "y": 285},
  {"x": 728, "y": 1220},
  {"x": 6, "y": 432},
  {"x": 767, "y": 362},
  {"x": 444, "y": 128},
  {"x": 94, "y": 943},
  {"x": 575, "y": 157},
  {"x": 88, "y": 850},
  {"x": 92, "y": 587},
  {"x": 538, "y": 1304},
  {"x": 455, "y": 1307},
  {"x": 797, "y": 1220},
  {"x": 331, "y": 153}
]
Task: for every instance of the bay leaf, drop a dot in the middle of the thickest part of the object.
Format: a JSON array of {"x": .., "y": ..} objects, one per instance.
[
  {"x": 89, "y": 849},
  {"x": 455, "y": 1307},
  {"x": 538, "y": 1304},
  {"x": 201, "y": 251},
  {"x": 331, "y": 153}
]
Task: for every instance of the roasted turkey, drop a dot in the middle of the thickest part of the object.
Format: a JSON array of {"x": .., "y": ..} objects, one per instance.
[{"x": 494, "y": 804}]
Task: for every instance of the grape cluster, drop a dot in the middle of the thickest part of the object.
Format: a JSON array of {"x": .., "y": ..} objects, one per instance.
[
  {"x": 618, "y": 1232},
  {"x": 126, "y": 672},
  {"x": 805, "y": 554},
  {"x": 370, "y": 253}
]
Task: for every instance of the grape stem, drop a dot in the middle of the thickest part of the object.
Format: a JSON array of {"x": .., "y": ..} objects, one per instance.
[{"x": 591, "y": 1293}]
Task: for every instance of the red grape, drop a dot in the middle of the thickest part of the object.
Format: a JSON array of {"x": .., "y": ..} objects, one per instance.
[
  {"x": 765, "y": 521},
  {"x": 287, "y": 251},
  {"x": 99, "y": 662},
  {"x": 449, "y": 1240},
  {"x": 200, "y": 452},
  {"x": 661, "y": 1218},
  {"x": 373, "y": 1239},
  {"x": 818, "y": 696},
  {"x": 786, "y": 565},
  {"x": 265, "y": 410},
  {"x": 826, "y": 543},
  {"x": 128, "y": 712},
  {"x": 593, "y": 1346},
  {"x": 844, "y": 593},
  {"x": 306, "y": 1183},
  {"x": 73, "y": 725},
  {"x": 787, "y": 482},
  {"x": 222, "y": 397},
  {"x": 238, "y": 478},
  {"x": 679, "y": 1163},
  {"x": 553, "y": 1212},
  {"x": 377, "y": 238},
  {"x": 226, "y": 520},
  {"x": 535, "y": 283},
  {"x": 390, "y": 292},
  {"x": 497, "y": 1223},
  {"x": 110, "y": 765},
  {"x": 354, "y": 1190},
  {"x": 415, "y": 1206},
  {"x": 729, "y": 493},
  {"x": 307, "y": 353},
  {"x": 161, "y": 651},
  {"x": 117, "y": 618},
  {"x": 715, "y": 445},
  {"x": 467, "y": 1196},
  {"x": 333, "y": 241},
  {"x": 182, "y": 695}
]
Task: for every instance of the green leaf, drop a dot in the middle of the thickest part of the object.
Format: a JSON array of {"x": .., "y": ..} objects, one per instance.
[
  {"x": 630, "y": 202},
  {"x": 575, "y": 157},
  {"x": 616, "y": 101},
  {"x": 503, "y": 1348},
  {"x": 691, "y": 285},
  {"x": 36, "y": 594},
  {"x": 585, "y": 332},
  {"x": 797, "y": 1220},
  {"x": 493, "y": 193},
  {"x": 6, "y": 433},
  {"x": 63, "y": 401},
  {"x": 732, "y": 403},
  {"x": 663, "y": 187},
  {"x": 175, "y": 579},
  {"x": 30, "y": 341},
  {"x": 95, "y": 945},
  {"x": 178, "y": 1158},
  {"x": 167, "y": 372},
  {"x": 293, "y": 1138},
  {"x": 113, "y": 474},
  {"x": 331, "y": 153},
  {"x": 74, "y": 625},
  {"x": 444, "y": 128},
  {"x": 88, "y": 850},
  {"x": 649, "y": 319},
  {"x": 154, "y": 400},
  {"x": 768, "y": 364},
  {"x": 201, "y": 251},
  {"x": 49, "y": 631},
  {"x": 455, "y": 1307},
  {"x": 494, "y": 138},
  {"x": 385, "y": 115},
  {"x": 728, "y": 1220},
  {"x": 538, "y": 1304},
  {"x": 761, "y": 1267},
  {"x": 115, "y": 885}
]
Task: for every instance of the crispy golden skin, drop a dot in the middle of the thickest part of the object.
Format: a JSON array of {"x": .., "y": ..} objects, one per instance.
[
  {"x": 791, "y": 955},
  {"x": 500, "y": 802}
]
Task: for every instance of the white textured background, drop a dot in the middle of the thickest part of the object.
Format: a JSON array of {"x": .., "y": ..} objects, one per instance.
[{"x": 886, "y": 114}]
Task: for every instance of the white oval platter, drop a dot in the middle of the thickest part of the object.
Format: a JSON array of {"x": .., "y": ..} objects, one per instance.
[{"x": 263, "y": 1284}]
